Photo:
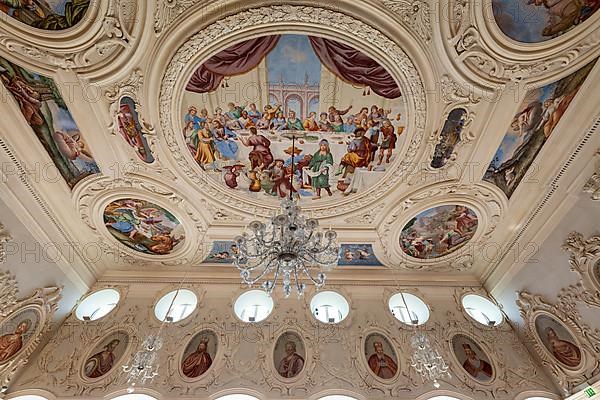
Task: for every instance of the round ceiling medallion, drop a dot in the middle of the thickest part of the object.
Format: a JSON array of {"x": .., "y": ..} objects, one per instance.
[
  {"x": 143, "y": 226},
  {"x": 242, "y": 108},
  {"x": 438, "y": 231}
]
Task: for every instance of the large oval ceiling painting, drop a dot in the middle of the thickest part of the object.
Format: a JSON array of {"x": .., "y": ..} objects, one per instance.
[
  {"x": 438, "y": 231},
  {"x": 533, "y": 21},
  {"x": 143, "y": 226},
  {"x": 50, "y": 15},
  {"x": 243, "y": 106}
]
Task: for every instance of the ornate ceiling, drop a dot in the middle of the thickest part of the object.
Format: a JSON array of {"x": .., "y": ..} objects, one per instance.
[{"x": 113, "y": 142}]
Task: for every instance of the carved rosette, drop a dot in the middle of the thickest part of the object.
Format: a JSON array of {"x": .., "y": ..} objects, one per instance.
[
  {"x": 43, "y": 303},
  {"x": 310, "y": 19},
  {"x": 587, "y": 340},
  {"x": 486, "y": 201},
  {"x": 92, "y": 197}
]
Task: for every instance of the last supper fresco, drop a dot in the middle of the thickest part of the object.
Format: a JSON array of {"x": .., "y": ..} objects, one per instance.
[{"x": 243, "y": 106}]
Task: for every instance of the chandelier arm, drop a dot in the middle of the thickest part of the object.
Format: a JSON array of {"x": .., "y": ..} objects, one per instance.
[
  {"x": 309, "y": 275},
  {"x": 259, "y": 263},
  {"x": 307, "y": 256},
  {"x": 259, "y": 276}
]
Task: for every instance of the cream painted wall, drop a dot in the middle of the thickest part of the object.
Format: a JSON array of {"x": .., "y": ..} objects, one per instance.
[{"x": 334, "y": 360}]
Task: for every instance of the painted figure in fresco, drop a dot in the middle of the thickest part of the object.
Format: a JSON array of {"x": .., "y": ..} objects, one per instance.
[
  {"x": 260, "y": 156},
  {"x": 205, "y": 153},
  {"x": 324, "y": 124},
  {"x": 42, "y": 15},
  {"x": 102, "y": 362},
  {"x": 310, "y": 123},
  {"x": 562, "y": 14},
  {"x": 321, "y": 164},
  {"x": 279, "y": 123},
  {"x": 163, "y": 243},
  {"x": 338, "y": 123},
  {"x": 29, "y": 100},
  {"x": 245, "y": 120},
  {"x": 269, "y": 111},
  {"x": 253, "y": 113},
  {"x": 192, "y": 116},
  {"x": 564, "y": 351},
  {"x": 465, "y": 220},
  {"x": 332, "y": 112},
  {"x": 358, "y": 153},
  {"x": 362, "y": 115},
  {"x": 232, "y": 172},
  {"x": 225, "y": 146},
  {"x": 477, "y": 368},
  {"x": 199, "y": 361},
  {"x": 294, "y": 123},
  {"x": 292, "y": 363},
  {"x": 130, "y": 132},
  {"x": 280, "y": 179},
  {"x": 388, "y": 143},
  {"x": 381, "y": 364},
  {"x": 71, "y": 146},
  {"x": 350, "y": 125},
  {"x": 11, "y": 343}
]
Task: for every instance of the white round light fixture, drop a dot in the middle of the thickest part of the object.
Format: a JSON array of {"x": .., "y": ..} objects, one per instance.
[
  {"x": 443, "y": 398},
  {"x": 237, "y": 397},
  {"x": 97, "y": 305},
  {"x": 482, "y": 310},
  {"x": 134, "y": 396},
  {"x": 29, "y": 397},
  {"x": 337, "y": 397},
  {"x": 253, "y": 306},
  {"x": 329, "y": 307},
  {"x": 408, "y": 309},
  {"x": 181, "y": 303}
]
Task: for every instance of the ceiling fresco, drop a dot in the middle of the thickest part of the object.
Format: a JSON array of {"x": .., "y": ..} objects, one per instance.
[
  {"x": 46, "y": 14},
  {"x": 222, "y": 252},
  {"x": 533, "y": 21},
  {"x": 531, "y": 127},
  {"x": 243, "y": 106},
  {"x": 438, "y": 231},
  {"x": 46, "y": 112},
  {"x": 143, "y": 226},
  {"x": 412, "y": 152}
]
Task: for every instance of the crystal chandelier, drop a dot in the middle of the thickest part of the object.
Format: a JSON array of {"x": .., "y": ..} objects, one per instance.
[
  {"x": 290, "y": 247},
  {"x": 427, "y": 361},
  {"x": 143, "y": 366}
]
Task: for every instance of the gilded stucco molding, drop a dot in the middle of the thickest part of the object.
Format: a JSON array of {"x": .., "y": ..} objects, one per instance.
[
  {"x": 587, "y": 340},
  {"x": 308, "y": 18},
  {"x": 415, "y": 14},
  {"x": 42, "y": 303},
  {"x": 584, "y": 259},
  {"x": 95, "y": 43},
  {"x": 4, "y": 238},
  {"x": 485, "y": 201},
  {"x": 592, "y": 186},
  {"x": 91, "y": 198},
  {"x": 467, "y": 27}
]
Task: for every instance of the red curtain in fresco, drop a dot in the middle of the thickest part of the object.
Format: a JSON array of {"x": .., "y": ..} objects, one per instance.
[
  {"x": 355, "y": 67},
  {"x": 236, "y": 59}
]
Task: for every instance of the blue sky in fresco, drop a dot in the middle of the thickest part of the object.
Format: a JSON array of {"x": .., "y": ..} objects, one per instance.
[
  {"x": 293, "y": 58},
  {"x": 521, "y": 21}
]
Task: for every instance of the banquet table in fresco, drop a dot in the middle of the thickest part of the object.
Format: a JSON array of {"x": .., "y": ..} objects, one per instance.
[{"x": 306, "y": 143}]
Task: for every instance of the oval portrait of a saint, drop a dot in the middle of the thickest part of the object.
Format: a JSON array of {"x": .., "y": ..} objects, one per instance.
[
  {"x": 199, "y": 354},
  {"x": 559, "y": 342},
  {"x": 472, "y": 358},
  {"x": 381, "y": 356},
  {"x": 16, "y": 332},
  {"x": 289, "y": 355},
  {"x": 105, "y": 355}
]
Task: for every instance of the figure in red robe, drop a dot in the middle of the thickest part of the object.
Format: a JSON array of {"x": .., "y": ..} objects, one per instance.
[
  {"x": 564, "y": 351},
  {"x": 11, "y": 343},
  {"x": 292, "y": 364},
  {"x": 476, "y": 367},
  {"x": 260, "y": 156},
  {"x": 381, "y": 364},
  {"x": 102, "y": 362},
  {"x": 198, "y": 362}
]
